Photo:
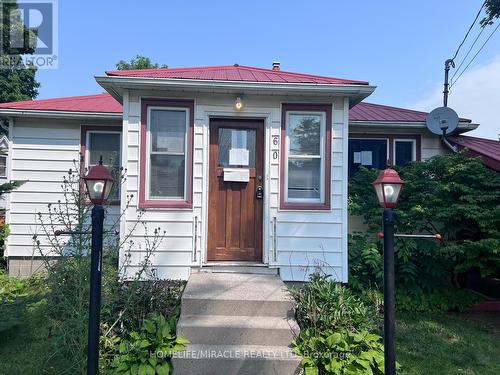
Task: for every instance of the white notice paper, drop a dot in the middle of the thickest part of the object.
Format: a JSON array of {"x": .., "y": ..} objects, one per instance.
[
  {"x": 239, "y": 139},
  {"x": 239, "y": 156},
  {"x": 366, "y": 157},
  {"x": 357, "y": 158}
]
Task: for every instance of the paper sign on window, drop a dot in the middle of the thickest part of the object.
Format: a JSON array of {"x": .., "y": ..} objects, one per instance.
[
  {"x": 357, "y": 158},
  {"x": 238, "y": 154},
  {"x": 366, "y": 158}
]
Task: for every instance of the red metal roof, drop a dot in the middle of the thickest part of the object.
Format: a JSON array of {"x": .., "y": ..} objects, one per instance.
[
  {"x": 378, "y": 112},
  {"x": 234, "y": 73},
  {"x": 88, "y": 103},
  {"x": 105, "y": 103},
  {"x": 487, "y": 149}
]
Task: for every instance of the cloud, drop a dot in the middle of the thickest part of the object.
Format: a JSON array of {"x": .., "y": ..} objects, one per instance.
[{"x": 475, "y": 96}]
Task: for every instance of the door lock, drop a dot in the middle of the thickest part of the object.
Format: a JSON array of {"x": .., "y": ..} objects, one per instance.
[{"x": 259, "y": 193}]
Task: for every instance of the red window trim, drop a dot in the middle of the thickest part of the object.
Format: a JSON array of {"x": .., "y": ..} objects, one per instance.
[
  {"x": 84, "y": 129},
  {"x": 165, "y": 203},
  {"x": 313, "y": 107},
  {"x": 391, "y": 138}
]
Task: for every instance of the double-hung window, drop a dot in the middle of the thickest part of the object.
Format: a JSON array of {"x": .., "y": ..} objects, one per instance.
[
  {"x": 3, "y": 166},
  {"x": 166, "y": 143},
  {"x": 104, "y": 142},
  {"x": 305, "y": 157}
]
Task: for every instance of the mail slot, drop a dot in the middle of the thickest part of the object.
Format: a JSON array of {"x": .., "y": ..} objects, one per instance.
[{"x": 237, "y": 174}]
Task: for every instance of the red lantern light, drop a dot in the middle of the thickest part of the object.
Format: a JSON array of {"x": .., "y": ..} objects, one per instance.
[
  {"x": 388, "y": 187},
  {"x": 99, "y": 183}
]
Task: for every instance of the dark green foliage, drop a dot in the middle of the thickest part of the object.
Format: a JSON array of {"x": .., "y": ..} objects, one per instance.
[
  {"x": 492, "y": 12},
  {"x": 335, "y": 329},
  {"x": 149, "y": 350},
  {"x": 323, "y": 304},
  {"x": 454, "y": 195},
  {"x": 139, "y": 62},
  {"x": 16, "y": 296},
  {"x": 17, "y": 81}
]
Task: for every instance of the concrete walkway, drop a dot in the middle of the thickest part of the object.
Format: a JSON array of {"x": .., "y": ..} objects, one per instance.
[{"x": 237, "y": 324}]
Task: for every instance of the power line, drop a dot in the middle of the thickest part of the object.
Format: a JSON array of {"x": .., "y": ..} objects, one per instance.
[
  {"x": 467, "y": 55},
  {"x": 468, "y": 31},
  {"x": 477, "y": 53}
]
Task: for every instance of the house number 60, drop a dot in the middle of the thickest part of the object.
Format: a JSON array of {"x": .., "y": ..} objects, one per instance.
[{"x": 275, "y": 143}]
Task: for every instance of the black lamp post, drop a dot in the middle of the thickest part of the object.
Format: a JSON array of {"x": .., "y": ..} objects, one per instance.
[
  {"x": 98, "y": 183},
  {"x": 388, "y": 186}
]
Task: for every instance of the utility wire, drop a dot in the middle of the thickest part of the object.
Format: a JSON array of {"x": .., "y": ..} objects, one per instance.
[
  {"x": 477, "y": 53},
  {"x": 467, "y": 55},
  {"x": 468, "y": 31}
]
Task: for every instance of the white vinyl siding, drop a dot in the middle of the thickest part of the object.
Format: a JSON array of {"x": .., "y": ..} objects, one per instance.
[{"x": 42, "y": 152}]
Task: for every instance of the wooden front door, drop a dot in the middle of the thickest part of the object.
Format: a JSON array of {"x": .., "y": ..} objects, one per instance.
[{"x": 235, "y": 207}]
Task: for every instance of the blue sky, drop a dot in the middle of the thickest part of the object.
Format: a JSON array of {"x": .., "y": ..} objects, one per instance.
[{"x": 400, "y": 46}]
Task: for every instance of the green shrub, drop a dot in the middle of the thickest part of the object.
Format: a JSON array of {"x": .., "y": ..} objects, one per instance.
[
  {"x": 16, "y": 295},
  {"x": 341, "y": 352},
  {"x": 149, "y": 350},
  {"x": 454, "y": 195},
  {"x": 323, "y": 304}
]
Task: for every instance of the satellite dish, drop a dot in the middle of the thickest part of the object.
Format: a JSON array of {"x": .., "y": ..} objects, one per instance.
[{"x": 442, "y": 119}]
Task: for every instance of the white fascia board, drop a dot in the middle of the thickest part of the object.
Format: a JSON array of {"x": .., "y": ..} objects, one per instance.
[
  {"x": 115, "y": 85},
  {"x": 59, "y": 114}
]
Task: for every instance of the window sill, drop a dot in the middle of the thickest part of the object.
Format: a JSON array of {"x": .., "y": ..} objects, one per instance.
[
  {"x": 288, "y": 206},
  {"x": 165, "y": 204}
]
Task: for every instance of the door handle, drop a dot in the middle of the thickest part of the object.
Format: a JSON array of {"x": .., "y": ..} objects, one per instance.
[{"x": 259, "y": 192}]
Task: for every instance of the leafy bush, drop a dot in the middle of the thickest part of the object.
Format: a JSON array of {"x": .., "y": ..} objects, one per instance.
[
  {"x": 323, "y": 304},
  {"x": 335, "y": 326},
  {"x": 341, "y": 352},
  {"x": 149, "y": 350},
  {"x": 16, "y": 295},
  {"x": 452, "y": 194}
]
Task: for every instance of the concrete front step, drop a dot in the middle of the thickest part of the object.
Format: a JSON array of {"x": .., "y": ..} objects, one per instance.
[
  {"x": 237, "y": 330},
  {"x": 236, "y": 295},
  {"x": 236, "y": 359},
  {"x": 237, "y": 324},
  {"x": 241, "y": 269}
]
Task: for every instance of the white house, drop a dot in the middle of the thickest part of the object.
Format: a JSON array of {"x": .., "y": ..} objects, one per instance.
[{"x": 239, "y": 165}]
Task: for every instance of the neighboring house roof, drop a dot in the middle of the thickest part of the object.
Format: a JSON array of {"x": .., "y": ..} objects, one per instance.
[
  {"x": 86, "y": 103},
  {"x": 378, "y": 112},
  {"x": 487, "y": 149},
  {"x": 105, "y": 103},
  {"x": 234, "y": 73}
]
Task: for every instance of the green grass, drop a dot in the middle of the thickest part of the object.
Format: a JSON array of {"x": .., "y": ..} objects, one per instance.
[
  {"x": 448, "y": 343},
  {"x": 25, "y": 348}
]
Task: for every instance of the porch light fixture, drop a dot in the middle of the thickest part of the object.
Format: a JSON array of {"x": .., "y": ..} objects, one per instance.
[
  {"x": 238, "y": 104},
  {"x": 99, "y": 183},
  {"x": 388, "y": 186}
]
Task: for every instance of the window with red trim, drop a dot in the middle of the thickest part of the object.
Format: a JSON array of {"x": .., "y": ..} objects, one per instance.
[
  {"x": 105, "y": 142},
  {"x": 166, "y": 153},
  {"x": 381, "y": 150},
  {"x": 305, "y": 158}
]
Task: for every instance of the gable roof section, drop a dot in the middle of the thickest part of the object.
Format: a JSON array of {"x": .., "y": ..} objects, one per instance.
[
  {"x": 487, "y": 149},
  {"x": 105, "y": 103},
  {"x": 87, "y": 103},
  {"x": 234, "y": 73}
]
